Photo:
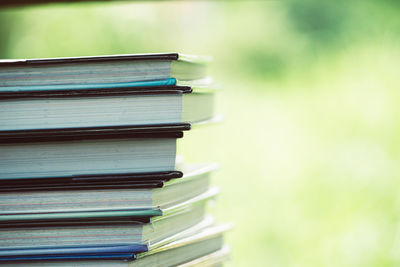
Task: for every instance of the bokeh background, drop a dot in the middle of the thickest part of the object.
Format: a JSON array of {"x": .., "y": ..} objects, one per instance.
[{"x": 310, "y": 146}]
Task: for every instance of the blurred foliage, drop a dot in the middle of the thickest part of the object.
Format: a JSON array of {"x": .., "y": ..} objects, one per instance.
[
  {"x": 310, "y": 149},
  {"x": 322, "y": 21}
]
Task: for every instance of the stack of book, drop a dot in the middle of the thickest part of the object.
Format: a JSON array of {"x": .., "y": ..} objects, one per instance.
[{"x": 88, "y": 169}]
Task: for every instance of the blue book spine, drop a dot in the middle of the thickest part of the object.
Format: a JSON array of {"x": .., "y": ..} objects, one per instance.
[
  {"x": 76, "y": 250},
  {"x": 122, "y": 256}
]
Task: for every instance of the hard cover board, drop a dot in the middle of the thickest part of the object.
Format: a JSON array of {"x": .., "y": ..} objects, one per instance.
[
  {"x": 98, "y": 91},
  {"x": 84, "y": 133},
  {"x": 110, "y": 58},
  {"x": 94, "y": 180}
]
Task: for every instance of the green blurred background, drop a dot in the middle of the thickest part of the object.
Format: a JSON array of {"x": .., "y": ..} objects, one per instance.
[{"x": 310, "y": 147}]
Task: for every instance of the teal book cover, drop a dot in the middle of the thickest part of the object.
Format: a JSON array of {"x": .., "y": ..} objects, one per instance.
[{"x": 154, "y": 83}]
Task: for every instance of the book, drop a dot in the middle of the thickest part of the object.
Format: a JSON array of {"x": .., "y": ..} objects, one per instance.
[
  {"x": 52, "y": 110},
  {"x": 95, "y": 217},
  {"x": 42, "y": 204},
  {"x": 75, "y": 239},
  {"x": 117, "y": 152},
  {"x": 114, "y": 71}
]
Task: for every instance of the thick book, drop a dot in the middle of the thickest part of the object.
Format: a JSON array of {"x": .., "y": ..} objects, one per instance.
[
  {"x": 84, "y": 154},
  {"x": 199, "y": 244},
  {"x": 94, "y": 217},
  {"x": 46, "y": 204},
  {"x": 65, "y": 111},
  {"x": 113, "y": 71},
  {"x": 72, "y": 239}
]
